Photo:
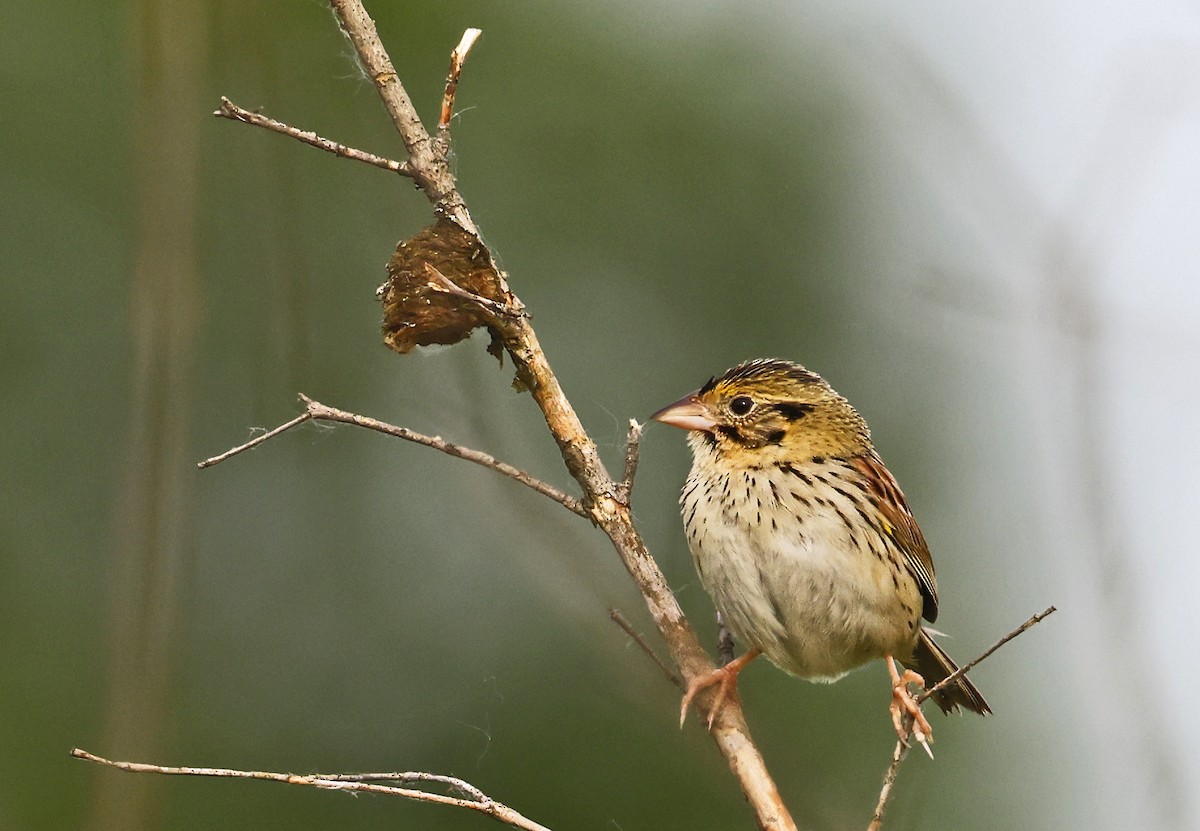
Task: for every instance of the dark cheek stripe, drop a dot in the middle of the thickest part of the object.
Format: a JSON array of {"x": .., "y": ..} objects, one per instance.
[{"x": 793, "y": 410}]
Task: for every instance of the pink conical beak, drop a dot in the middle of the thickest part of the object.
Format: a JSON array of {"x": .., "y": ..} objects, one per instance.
[{"x": 689, "y": 413}]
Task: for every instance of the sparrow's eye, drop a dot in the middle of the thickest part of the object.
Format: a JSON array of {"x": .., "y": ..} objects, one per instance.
[{"x": 741, "y": 405}]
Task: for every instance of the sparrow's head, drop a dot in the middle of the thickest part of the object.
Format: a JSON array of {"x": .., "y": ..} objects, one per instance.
[{"x": 769, "y": 410}]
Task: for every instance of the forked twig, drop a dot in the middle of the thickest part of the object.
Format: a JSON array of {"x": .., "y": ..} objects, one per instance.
[
  {"x": 427, "y": 161},
  {"x": 475, "y": 799},
  {"x": 233, "y": 112}
]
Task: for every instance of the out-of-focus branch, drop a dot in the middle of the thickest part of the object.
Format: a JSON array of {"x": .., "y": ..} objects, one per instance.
[
  {"x": 637, "y": 638},
  {"x": 474, "y": 799},
  {"x": 152, "y": 548}
]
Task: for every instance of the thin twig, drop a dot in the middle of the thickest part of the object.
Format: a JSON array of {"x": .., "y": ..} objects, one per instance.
[
  {"x": 257, "y": 440},
  {"x": 322, "y": 412},
  {"x": 632, "y": 445},
  {"x": 457, "y": 58},
  {"x": 889, "y": 780},
  {"x": 952, "y": 677},
  {"x": 460, "y": 785},
  {"x": 901, "y": 751},
  {"x": 353, "y": 783},
  {"x": 316, "y": 411},
  {"x": 620, "y": 620},
  {"x": 441, "y": 283},
  {"x": 233, "y": 112}
]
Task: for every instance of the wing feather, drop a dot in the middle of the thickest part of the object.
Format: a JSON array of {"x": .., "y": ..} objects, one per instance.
[{"x": 901, "y": 527}]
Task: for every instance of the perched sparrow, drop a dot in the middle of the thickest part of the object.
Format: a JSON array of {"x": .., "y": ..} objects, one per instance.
[{"x": 803, "y": 538}]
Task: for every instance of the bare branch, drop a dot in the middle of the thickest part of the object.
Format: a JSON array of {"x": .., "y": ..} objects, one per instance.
[
  {"x": 316, "y": 411},
  {"x": 952, "y": 677},
  {"x": 457, "y": 58},
  {"x": 580, "y": 455},
  {"x": 233, "y": 112},
  {"x": 430, "y": 170},
  {"x": 901, "y": 751},
  {"x": 620, "y": 620},
  {"x": 889, "y": 780},
  {"x": 476, "y": 799},
  {"x": 254, "y": 442},
  {"x": 322, "y": 412},
  {"x": 454, "y": 782}
]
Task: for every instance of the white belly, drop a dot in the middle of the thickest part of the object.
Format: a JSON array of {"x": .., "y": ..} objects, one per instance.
[{"x": 797, "y": 589}]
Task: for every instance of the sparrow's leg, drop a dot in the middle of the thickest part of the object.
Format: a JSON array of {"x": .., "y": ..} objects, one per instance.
[
  {"x": 725, "y": 678},
  {"x": 903, "y": 703}
]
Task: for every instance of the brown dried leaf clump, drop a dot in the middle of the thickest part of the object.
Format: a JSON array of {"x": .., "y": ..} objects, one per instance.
[{"x": 417, "y": 309}]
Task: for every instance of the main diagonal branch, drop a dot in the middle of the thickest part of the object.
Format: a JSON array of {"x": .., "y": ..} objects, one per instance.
[{"x": 602, "y": 495}]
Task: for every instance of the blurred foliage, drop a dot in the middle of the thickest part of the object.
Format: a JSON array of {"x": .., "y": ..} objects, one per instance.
[{"x": 671, "y": 190}]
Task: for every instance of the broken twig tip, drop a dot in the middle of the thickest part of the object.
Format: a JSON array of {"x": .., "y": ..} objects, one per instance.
[
  {"x": 457, "y": 58},
  {"x": 468, "y": 40}
]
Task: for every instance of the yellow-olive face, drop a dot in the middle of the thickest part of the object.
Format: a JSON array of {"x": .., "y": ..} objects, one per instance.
[{"x": 769, "y": 402}]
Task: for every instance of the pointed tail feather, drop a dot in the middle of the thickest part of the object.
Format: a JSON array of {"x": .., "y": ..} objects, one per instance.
[{"x": 932, "y": 662}]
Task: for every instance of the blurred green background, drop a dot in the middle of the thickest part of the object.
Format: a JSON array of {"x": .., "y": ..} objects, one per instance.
[{"x": 978, "y": 224}]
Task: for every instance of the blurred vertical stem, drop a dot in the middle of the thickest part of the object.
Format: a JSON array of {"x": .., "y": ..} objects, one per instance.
[{"x": 152, "y": 543}]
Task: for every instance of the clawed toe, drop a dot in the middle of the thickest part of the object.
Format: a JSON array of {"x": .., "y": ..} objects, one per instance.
[
  {"x": 904, "y": 704},
  {"x": 724, "y": 678},
  {"x": 724, "y": 681}
]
